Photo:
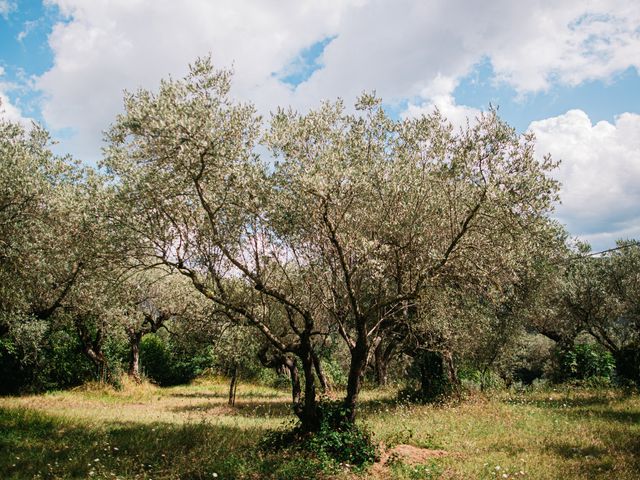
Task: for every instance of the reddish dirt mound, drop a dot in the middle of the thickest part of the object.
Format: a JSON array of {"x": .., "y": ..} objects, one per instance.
[
  {"x": 411, "y": 455},
  {"x": 406, "y": 454}
]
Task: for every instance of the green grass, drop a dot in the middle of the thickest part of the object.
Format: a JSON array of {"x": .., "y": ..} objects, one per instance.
[{"x": 190, "y": 433}]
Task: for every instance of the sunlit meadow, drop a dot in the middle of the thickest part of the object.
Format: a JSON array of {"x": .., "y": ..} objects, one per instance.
[{"x": 189, "y": 432}]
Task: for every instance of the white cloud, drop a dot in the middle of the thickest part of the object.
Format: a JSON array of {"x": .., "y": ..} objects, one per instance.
[
  {"x": 116, "y": 45},
  {"x": 6, "y": 7},
  {"x": 28, "y": 28},
  {"x": 568, "y": 43},
  {"x": 402, "y": 49},
  {"x": 10, "y": 112},
  {"x": 600, "y": 172},
  {"x": 457, "y": 115},
  {"x": 439, "y": 95}
]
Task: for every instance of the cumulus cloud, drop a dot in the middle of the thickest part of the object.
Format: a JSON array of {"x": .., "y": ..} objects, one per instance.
[
  {"x": 106, "y": 47},
  {"x": 402, "y": 49},
  {"x": 600, "y": 173},
  {"x": 458, "y": 115},
  {"x": 10, "y": 112},
  {"x": 569, "y": 42},
  {"x": 439, "y": 95}
]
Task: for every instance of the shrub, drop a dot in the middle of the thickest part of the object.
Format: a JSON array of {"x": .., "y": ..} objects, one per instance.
[
  {"x": 583, "y": 361},
  {"x": 429, "y": 379},
  {"x": 628, "y": 364},
  {"x": 339, "y": 440},
  {"x": 335, "y": 442},
  {"x": 57, "y": 364},
  {"x": 167, "y": 365},
  {"x": 483, "y": 380}
]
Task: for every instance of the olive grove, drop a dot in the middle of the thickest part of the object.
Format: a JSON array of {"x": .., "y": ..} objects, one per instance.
[{"x": 354, "y": 246}]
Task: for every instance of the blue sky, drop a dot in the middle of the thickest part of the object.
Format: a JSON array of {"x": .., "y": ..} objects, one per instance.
[
  {"x": 566, "y": 70},
  {"x": 24, "y": 50},
  {"x": 601, "y": 99}
]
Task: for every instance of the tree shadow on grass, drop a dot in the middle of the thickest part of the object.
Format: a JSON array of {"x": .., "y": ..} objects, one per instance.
[
  {"x": 383, "y": 404},
  {"x": 240, "y": 395},
  {"x": 569, "y": 450},
  {"x": 623, "y": 442},
  {"x": 625, "y": 417},
  {"x": 242, "y": 408},
  {"x": 263, "y": 409},
  {"x": 618, "y": 444},
  {"x": 35, "y": 445},
  {"x": 562, "y": 403},
  {"x": 584, "y": 462},
  {"x": 199, "y": 395}
]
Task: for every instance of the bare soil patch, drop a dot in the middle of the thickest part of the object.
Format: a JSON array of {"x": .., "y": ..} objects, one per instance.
[{"x": 407, "y": 454}]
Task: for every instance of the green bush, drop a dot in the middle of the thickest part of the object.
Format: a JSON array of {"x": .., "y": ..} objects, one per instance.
[
  {"x": 341, "y": 441},
  {"x": 483, "y": 380},
  {"x": 584, "y": 361},
  {"x": 428, "y": 379},
  {"x": 336, "y": 441},
  {"x": 167, "y": 365},
  {"x": 628, "y": 365},
  {"x": 335, "y": 372},
  {"x": 59, "y": 363},
  {"x": 64, "y": 364}
]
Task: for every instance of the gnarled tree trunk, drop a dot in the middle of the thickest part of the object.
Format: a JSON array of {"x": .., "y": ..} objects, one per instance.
[
  {"x": 134, "y": 360},
  {"x": 356, "y": 372},
  {"x": 308, "y": 411},
  {"x": 324, "y": 382},
  {"x": 92, "y": 348}
]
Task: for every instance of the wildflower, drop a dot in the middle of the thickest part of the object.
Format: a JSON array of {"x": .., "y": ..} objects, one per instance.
[{"x": 497, "y": 467}]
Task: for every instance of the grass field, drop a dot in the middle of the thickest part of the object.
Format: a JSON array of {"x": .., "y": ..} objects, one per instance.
[{"x": 190, "y": 433}]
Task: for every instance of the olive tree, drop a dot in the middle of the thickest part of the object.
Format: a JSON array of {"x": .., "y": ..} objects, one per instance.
[
  {"x": 39, "y": 252},
  {"x": 190, "y": 185},
  {"x": 600, "y": 297},
  {"x": 357, "y": 216},
  {"x": 387, "y": 211},
  {"x": 153, "y": 300},
  {"x": 53, "y": 274}
]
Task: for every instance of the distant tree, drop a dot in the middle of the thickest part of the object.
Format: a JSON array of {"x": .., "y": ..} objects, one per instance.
[
  {"x": 154, "y": 300},
  {"x": 601, "y": 297}
]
